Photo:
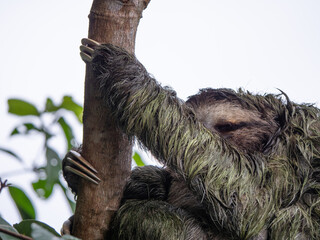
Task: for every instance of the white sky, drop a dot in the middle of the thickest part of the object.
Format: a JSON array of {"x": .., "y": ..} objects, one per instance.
[{"x": 259, "y": 45}]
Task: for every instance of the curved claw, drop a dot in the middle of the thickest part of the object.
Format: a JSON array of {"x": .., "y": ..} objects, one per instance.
[
  {"x": 84, "y": 161},
  {"x": 87, "y": 49},
  {"x": 82, "y": 168},
  {"x": 81, "y": 174},
  {"x": 89, "y": 42},
  {"x": 85, "y": 57},
  {"x": 85, "y": 172}
]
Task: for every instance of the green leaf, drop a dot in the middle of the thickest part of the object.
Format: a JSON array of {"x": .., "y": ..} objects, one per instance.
[
  {"x": 45, "y": 185},
  {"x": 11, "y": 153},
  {"x": 138, "y": 160},
  {"x": 22, "y": 108},
  {"x": 50, "y": 107},
  {"x": 67, "y": 131},
  {"x": 43, "y": 188},
  {"x": 24, "y": 227},
  {"x": 23, "y": 203},
  {"x": 5, "y": 225},
  {"x": 4, "y": 236},
  {"x": 41, "y": 233},
  {"x": 53, "y": 165},
  {"x": 31, "y": 126},
  {"x": 4, "y": 222},
  {"x": 15, "y": 131},
  {"x": 70, "y": 105},
  {"x": 25, "y": 128}
]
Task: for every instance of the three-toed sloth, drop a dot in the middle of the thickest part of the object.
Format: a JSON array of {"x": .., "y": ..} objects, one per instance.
[{"x": 237, "y": 165}]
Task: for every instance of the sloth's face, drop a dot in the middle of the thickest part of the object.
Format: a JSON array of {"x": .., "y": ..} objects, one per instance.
[{"x": 243, "y": 128}]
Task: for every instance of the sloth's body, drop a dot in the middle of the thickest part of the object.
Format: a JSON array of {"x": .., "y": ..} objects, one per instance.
[{"x": 238, "y": 166}]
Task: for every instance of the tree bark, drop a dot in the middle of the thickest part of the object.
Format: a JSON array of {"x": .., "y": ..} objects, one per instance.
[{"x": 104, "y": 145}]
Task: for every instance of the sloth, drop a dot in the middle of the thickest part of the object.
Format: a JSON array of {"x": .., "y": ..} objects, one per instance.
[{"x": 237, "y": 165}]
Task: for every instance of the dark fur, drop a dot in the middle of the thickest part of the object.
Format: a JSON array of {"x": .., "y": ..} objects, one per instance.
[{"x": 238, "y": 166}]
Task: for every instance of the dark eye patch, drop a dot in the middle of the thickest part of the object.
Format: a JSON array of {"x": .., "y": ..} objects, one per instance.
[{"x": 228, "y": 127}]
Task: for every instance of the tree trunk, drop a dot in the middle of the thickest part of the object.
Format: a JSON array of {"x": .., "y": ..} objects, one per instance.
[{"x": 104, "y": 145}]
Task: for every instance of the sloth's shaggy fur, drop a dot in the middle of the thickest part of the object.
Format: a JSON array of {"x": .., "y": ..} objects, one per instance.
[{"x": 237, "y": 165}]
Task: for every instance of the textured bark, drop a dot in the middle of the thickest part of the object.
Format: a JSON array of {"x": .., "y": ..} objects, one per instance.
[{"x": 104, "y": 145}]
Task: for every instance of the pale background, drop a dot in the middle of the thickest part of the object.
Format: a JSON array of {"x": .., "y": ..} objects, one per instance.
[{"x": 259, "y": 45}]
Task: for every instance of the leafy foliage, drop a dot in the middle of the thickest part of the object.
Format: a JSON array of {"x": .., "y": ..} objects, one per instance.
[
  {"x": 42, "y": 122},
  {"x": 30, "y": 229},
  {"x": 11, "y": 153},
  {"x": 23, "y": 203},
  {"x": 24, "y": 227},
  {"x": 22, "y": 108},
  {"x": 138, "y": 160},
  {"x": 5, "y": 225}
]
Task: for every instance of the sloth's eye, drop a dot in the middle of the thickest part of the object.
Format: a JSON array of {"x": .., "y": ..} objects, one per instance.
[{"x": 228, "y": 127}]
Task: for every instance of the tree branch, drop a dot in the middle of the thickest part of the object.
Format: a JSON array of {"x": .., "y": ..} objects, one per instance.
[
  {"x": 17, "y": 235},
  {"x": 104, "y": 145}
]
